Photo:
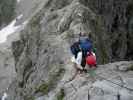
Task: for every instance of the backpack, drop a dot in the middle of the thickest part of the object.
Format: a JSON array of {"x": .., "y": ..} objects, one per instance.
[
  {"x": 75, "y": 49},
  {"x": 85, "y": 45},
  {"x": 94, "y": 49},
  {"x": 91, "y": 59}
]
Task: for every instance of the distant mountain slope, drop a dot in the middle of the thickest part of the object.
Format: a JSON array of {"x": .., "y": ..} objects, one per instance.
[{"x": 7, "y": 11}]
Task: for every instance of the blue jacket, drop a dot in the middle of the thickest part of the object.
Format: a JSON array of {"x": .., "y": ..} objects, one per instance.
[{"x": 85, "y": 44}]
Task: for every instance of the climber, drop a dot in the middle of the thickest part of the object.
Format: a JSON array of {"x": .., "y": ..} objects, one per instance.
[
  {"x": 77, "y": 58},
  {"x": 89, "y": 57},
  {"x": 86, "y": 47},
  {"x": 82, "y": 51}
]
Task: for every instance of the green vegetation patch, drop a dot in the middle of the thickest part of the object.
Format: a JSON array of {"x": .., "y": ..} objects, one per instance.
[
  {"x": 44, "y": 88},
  {"x": 29, "y": 98},
  {"x": 52, "y": 82},
  {"x": 130, "y": 68},
  {"x": 61, "y": 95},
  {"x": 101, "y": 44},
  {"x": 7, "y": 11}
]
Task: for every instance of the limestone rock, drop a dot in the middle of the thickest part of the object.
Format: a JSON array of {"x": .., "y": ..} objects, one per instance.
[{"x": 42, "y": 55}]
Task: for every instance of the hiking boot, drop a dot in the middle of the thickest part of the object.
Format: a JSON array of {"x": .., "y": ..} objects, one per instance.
[{"x": 85, "y": 70}]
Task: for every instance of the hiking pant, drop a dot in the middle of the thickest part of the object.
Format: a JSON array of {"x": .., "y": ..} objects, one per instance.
[{"x": 83, "y": 63}]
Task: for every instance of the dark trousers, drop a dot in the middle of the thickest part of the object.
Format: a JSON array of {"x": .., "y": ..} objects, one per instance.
[{"x": 84, "y": 54}]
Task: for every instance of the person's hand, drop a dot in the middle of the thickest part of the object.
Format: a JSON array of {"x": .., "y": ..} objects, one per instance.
[{"x": 73, "y": 59}]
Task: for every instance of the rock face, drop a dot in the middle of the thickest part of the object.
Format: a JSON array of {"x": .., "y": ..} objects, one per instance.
[
  {"x": 7, "y": 72},
  {"x": 27, "y": 8},
  {"x": 107, "y": 84},
  {"x": 42, "y": 55},
  {"x": 117, "y": 26}
]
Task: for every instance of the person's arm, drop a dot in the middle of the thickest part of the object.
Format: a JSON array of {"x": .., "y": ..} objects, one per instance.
[{"x": 79, "y": 58}]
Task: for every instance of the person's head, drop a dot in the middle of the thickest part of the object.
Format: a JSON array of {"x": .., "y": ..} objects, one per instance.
[{"x": 82, "y": 34}]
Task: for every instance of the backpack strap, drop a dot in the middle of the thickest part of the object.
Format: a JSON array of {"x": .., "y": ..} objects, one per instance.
[{"x": 89, "y": 53}]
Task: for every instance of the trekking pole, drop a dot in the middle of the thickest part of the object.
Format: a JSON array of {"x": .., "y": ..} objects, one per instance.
[
  {"x": 88, "y": 95},
  {"x": 118, "y": 96}
]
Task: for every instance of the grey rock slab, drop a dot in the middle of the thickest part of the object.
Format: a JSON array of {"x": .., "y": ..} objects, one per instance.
[
  {"x": 128, "y": 82},
  {"x": 126, "y": 95},
  {"x": 107, "y": 87},
  {"x": 42, "y": 98}
]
